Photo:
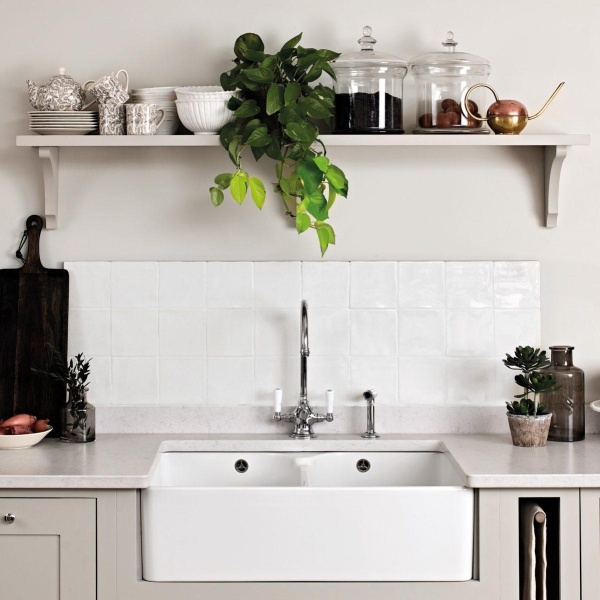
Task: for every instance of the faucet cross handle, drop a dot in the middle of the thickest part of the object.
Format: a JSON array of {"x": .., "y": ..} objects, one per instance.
[{"x": 302, "y": 416}]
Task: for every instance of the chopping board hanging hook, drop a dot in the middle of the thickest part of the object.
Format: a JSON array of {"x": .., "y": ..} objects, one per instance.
[{"x": 34, "y": 226}]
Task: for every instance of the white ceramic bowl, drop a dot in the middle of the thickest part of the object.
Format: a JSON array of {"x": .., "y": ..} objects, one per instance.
[
  {"x": 201, "y": 92},
  {"x": 20, "y": 442},
  {"x": 204, "y": 116}
]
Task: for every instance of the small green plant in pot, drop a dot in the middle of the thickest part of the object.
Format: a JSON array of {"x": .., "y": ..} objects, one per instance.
[
  {"x": 275, "y": 117},
  {"x": 528, "y": 419},
  {"x": 78, "y": 415}
]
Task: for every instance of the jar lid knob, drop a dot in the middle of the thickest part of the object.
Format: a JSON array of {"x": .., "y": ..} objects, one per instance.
[
  {"x": 450, "y": 44},
  {"x": 366, "y": 41}
]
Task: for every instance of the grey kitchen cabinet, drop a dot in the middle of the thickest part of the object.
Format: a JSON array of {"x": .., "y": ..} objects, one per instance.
[
  {"x": 564, "y": 549},
  {"x": 590, "y": 544},
  {"x": 48, "y": 548}
]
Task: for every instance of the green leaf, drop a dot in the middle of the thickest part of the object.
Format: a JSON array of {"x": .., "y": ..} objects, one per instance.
[
  {"x": 274, "y": 98},
  {"x": 257, "y": 189},
  {"x": 337, "y": 180},
  {"x": 248, "y": 109},
  {"x": 332, "y": 196},
  {"x": 223, "y": 180},
  {"x": 306, "y": 60},
  {"x": 317, "y": 205},
  {"x": 315, "y": 72},
  {"x": 284, "y": 184},
  {"x": 216, "y": 196},
  {"x": 257, "y": 152},
  {"x": 228, "y": 80},
  {"x": 301, "y": 132},
  {"x": 305, "y": 51},
  {"x": 297, "y": 152},
  {"x": 311, "y": 176},
  {"x": 239, "y": 186},
  {"x": 234, "y": 103},
  {"x": 234, "y": 147},
  {"x": 327, "y": 55},
  {"x": 259, "y": 137},
  {"x": 246, "y": 83},
  {"x": 302, "y": 222},
  {"x": 273, "y": 149},
  {"x": 292, "y": 43},
  {"x": 289, "y": 114},
  {"x": 322, "y": 162},
  {"x": 323, "y": 236},
  {"x": 327, "y": 227},
  {"x": 293, "y": 91},
  {"x": 248, "y": 41},
  {"x": 255, "y": 55},
  {"x": 227, "y": 134},
  {"x": 315, "y": 109},
  {"x": 270, "y": 62},
  {"x": 260, "y": 75},
  {"x": 250, "y": 126},
  {"x": 327, "y": 68}
]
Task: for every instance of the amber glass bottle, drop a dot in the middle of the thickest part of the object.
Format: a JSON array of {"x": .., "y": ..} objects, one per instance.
[{"x": 567, "y": 403}]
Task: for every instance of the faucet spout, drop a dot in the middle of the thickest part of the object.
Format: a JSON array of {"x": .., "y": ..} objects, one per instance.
[
  {"x": 303, "y": 416},
  {"x": 304, "y": 352}
]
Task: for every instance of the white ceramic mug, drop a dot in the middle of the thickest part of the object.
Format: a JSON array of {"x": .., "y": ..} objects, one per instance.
[
  {"x": 108, "y": 89},
  {"x": 142, "y": 118},
  {"x": 111, "y": 119}
]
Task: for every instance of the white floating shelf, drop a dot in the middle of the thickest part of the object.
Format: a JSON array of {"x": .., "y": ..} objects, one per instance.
[{"x": 555, "y": 151}]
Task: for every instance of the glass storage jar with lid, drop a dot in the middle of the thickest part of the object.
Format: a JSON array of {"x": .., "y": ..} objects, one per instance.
[
  {"x": 368, "y": 90},
  {"x": 442, "y": 80}
]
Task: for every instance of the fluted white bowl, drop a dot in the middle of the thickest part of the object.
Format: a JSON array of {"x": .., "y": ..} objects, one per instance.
[
  {"x": 200, "y": 92},
  {"x": 204, "y": 116}
]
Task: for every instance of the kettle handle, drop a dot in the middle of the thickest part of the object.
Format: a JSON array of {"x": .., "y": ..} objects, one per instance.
[
  {"x": 465, "y": 105},
  {"x": 537, "y": 114}
]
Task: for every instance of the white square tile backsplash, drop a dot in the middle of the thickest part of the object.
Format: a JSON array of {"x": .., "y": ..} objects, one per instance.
[{"x": 227, "y": 333}]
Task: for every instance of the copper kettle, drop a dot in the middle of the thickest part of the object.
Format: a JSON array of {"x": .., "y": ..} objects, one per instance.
[{"x": 507, "y": 117}]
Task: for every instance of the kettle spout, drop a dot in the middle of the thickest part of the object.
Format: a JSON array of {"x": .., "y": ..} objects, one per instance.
[
  {"x": 537, "y": 114},
  {"x": 33, "y": 92}
]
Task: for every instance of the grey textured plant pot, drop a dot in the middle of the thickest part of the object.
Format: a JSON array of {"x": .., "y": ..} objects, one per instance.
[{"x": 529, "y": 432}]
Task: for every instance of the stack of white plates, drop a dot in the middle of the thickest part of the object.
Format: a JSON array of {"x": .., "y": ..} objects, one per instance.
[
  {"x": 63, "y": 122},
  {"x": 164, "y": 97}
]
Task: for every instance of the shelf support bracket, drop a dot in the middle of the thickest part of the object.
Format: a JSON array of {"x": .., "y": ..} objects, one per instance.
[
  {"x": 554, "y": 157},
  {"x": 49, "y": 157}
]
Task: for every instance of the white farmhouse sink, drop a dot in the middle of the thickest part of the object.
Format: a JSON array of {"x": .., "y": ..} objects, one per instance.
[{"x": 305, "y": 516}]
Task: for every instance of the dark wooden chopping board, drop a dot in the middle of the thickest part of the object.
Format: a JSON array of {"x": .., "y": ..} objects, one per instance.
[{"x": 34, "y": 309}]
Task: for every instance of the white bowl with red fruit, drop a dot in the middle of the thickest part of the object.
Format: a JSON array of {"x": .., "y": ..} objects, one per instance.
[{"x": 22, "y": 431}]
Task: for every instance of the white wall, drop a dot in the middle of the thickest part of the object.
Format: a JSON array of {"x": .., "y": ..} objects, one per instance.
[{"x": 405, "y": 204}]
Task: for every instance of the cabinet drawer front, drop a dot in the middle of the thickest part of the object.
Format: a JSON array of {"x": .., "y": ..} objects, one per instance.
[
  {"x": 49, "y": 534},
  {"x": 46, "y": 515}
]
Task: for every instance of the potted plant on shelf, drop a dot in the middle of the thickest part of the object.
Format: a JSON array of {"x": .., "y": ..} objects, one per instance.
[
  {"x": 275, "y": 117},
  {"x": 529, "y": 421},
  {"x": 78, "y": 415}
]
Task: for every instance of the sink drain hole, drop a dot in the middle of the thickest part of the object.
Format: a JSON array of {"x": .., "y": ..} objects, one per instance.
[
  {"x": 363, "y": 465},
  {"x": 241, "y": 466}
]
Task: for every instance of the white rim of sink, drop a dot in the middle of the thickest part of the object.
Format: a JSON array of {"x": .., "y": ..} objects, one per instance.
[{"x": 595, "y": 405}]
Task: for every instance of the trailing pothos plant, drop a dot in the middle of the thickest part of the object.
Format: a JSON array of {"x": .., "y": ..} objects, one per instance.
[{"x": 275, "y": 109}]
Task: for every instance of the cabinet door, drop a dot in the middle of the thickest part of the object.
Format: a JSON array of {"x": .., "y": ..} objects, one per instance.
[
  {"x": 49, "y": 551},
  {"x": 590, "y": 544},
  {"x": 562, "y": 507}
]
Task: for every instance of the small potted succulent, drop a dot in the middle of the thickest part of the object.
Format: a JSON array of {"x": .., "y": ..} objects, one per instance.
[
  {"x": 78, "y": 415},
  {"x": 529, "y": 421}
]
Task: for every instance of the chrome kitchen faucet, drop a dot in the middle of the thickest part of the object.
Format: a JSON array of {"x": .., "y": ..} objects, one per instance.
[{"x": 303, "y": 416}]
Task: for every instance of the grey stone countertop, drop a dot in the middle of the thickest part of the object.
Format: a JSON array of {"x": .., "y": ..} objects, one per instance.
[{"x": 119, "y": 461}]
